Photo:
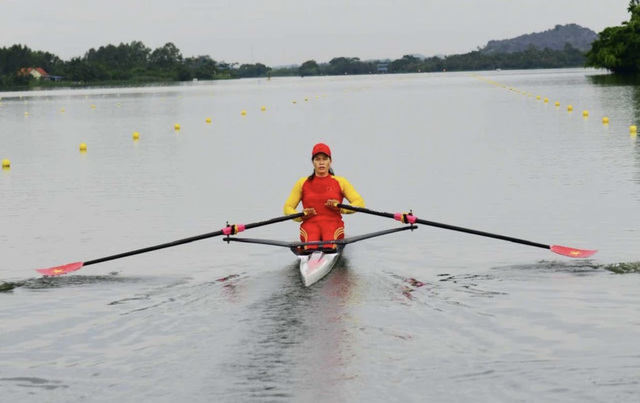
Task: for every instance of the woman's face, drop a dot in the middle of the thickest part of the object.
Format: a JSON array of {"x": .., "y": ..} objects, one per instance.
[{"x": 321, "y": 164}]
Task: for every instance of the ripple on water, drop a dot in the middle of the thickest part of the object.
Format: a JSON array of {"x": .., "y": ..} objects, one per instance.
[{"x": 27, "y": 382}]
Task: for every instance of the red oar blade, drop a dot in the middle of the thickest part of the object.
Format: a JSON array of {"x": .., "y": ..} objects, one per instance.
[
  {"x": 572, "y": 252},
  {"x": 59, "y": 270}
]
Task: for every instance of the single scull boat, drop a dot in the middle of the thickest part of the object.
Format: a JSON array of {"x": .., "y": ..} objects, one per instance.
[{"x": 317, "y": 263}]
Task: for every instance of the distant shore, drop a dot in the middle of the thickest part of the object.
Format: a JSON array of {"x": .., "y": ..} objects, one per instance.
[{"x": 50, "y": 85}]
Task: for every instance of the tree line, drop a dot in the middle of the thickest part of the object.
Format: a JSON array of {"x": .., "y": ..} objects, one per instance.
[
  {"x": 126, "y": 62},
  {"x": 532, "y": 58},
  {"x": 135, "y": 62}
]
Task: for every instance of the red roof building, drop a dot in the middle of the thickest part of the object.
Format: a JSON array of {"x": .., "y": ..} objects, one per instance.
[{"x": 37, "y": 72}]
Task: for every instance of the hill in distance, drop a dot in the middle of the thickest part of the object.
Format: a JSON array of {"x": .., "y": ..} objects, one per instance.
[{"x": 555, "y": 39}]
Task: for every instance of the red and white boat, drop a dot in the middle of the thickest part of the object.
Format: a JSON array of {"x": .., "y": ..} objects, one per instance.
[{"x": 315, "y": 263}]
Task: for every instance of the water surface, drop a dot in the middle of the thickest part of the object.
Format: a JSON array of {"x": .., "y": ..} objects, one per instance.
[{"x": 415, "y": 316}]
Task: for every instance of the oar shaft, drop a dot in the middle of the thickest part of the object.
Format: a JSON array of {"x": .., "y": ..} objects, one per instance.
[
  {"x": 230, "y": 230},
  {"x": 152, "y": 248},
  {"x": 446, "y": 226},
  {"x": 482, "y": 233}
]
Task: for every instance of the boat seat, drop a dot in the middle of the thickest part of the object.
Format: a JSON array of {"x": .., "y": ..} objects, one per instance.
[{"x": 310, "y": 251}]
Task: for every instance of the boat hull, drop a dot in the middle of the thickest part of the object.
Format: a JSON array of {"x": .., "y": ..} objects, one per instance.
[
  {"x": 314, "y": 266},
  {"x": 317, "y": 263}
]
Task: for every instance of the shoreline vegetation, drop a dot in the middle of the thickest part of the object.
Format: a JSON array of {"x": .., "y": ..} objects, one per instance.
[
  {"x": 617, "y": 49},
  {"x": 135, "y": 64}
]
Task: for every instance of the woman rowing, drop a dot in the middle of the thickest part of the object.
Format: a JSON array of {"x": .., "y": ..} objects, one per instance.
[{"x": 320, "y": 193}]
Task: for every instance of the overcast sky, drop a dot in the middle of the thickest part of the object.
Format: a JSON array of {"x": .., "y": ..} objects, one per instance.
[{"x": 279, "y": 32}]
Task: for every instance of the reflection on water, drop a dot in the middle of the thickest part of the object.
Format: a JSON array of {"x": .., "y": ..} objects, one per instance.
[
  {"x": 613, "y": 80},
  {"x": 625, "y": 87}
]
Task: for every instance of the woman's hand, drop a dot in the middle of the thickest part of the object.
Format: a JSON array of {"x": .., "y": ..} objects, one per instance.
[
  {"x": 332, "y": 204},
  {"x": 308, "y": 212}
]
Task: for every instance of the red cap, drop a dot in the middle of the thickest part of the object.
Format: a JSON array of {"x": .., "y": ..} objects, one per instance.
[{"x": 321, "y": 148}]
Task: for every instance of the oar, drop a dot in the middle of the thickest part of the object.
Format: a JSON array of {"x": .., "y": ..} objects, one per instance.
[
  {"x": 409, "y": 218},
  {"x": 228, "y": 230}
]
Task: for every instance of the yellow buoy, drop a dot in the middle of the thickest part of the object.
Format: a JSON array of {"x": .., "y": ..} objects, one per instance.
[
  {"x": 557, "y": 103},
  {"x": 633, "y": 129},
  {"x": 208, "y": 120},
  {"x": 6, "y": 164},
  {"x": 176, "y": 126},
  {"x": 538, "y": 97},
  {"x": 569, "y": 108},
  {"x": 26, "y": 114},
  {"x": 605, "y": 120},
  {"x": 244, "y": 113},
  {"x": 264, "y": 108},
  {"x": 294, "y": 102},
  {"x": 306, "y": 99},
  {"x": 136, "y": 135},
  {"x": 546, "y": 100},
  {"x": 62, "y": 110},
  {"x": 83, "y": 147},
  {"x": 585, "y": 114},
  {"x": 93, "y": 107}
]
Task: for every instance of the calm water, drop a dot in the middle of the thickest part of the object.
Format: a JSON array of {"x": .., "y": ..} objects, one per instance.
[{"x": 431, "y": 315}]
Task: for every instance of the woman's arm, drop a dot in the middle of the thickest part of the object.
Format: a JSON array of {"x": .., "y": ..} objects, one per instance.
[{"x": 294, "y": 199}]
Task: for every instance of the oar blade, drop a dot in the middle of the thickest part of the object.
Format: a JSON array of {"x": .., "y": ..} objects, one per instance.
[
  {"x": 60, "y": 270},
  {"x": 572, "y": 252}
]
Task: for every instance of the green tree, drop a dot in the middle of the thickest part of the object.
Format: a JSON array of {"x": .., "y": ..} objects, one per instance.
[
  {"x": 138, "y": 54},
  {"x": 252, "y": 70},
  {"x": 202, "y": 67},
  {"x": 618, "y": 48},
  {"x": 349, "y": 65},
  {"x": 309, "y": 68},
  {"x": 166, "y": 57},
  {"x": 406, "y": 64}
]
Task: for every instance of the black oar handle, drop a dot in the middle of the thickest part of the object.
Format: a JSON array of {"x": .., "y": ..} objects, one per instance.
[
  {"x": 228, "y": 230},
  {"x": 407, "y": 218}
]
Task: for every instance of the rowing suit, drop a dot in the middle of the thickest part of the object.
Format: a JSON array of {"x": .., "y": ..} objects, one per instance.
[{"x": 327, "y": 224}]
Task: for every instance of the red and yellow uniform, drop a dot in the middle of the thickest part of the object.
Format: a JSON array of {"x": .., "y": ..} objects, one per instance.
[{"x": 327, "y": 224}]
